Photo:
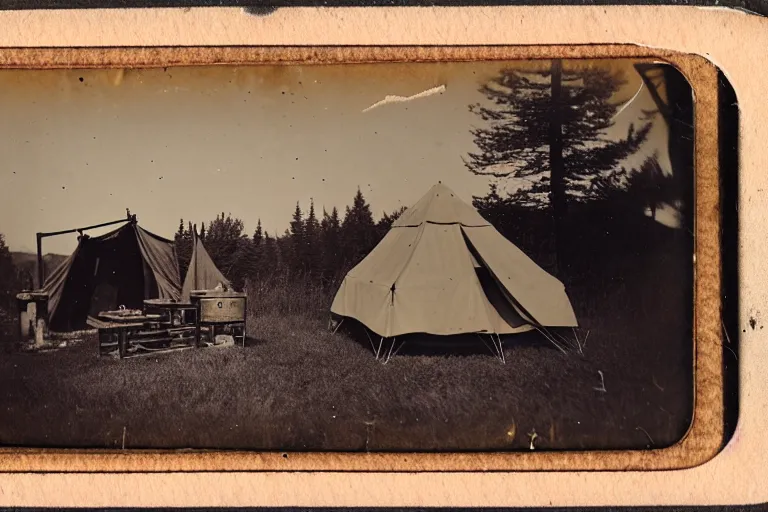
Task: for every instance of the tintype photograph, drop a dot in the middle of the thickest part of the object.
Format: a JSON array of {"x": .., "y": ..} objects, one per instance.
[{"x": 371, "y": 258}]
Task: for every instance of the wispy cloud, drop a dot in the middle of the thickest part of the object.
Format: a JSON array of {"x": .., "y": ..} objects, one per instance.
[{"x": 403, "y": 99}]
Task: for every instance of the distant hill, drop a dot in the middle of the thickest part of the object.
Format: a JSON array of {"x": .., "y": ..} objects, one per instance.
[{"x": 26, "y": 262}]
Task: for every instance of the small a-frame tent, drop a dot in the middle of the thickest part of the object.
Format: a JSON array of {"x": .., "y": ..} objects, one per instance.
[
  {"x": 202, "y": 273},
  {"x": 443, "y": 269},
  {"x": 120, "y": 268}
]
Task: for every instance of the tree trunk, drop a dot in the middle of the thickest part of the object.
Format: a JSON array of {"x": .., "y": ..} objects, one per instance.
[{"x": 558, "y": 201}]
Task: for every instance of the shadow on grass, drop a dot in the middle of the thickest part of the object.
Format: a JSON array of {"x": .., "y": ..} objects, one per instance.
[
  {"x": 255, "y": 341},
  {"x": 430, "y": 345}
]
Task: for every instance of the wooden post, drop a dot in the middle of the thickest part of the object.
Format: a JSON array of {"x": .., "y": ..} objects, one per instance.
[
  {"x": 197, "y": 325},
  {"x": 23, "y": 320},
  {"x": 121, "y": 342},
  {"x": 40, "y": 267}
]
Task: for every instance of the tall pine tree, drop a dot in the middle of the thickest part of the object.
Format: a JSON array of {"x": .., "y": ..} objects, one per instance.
[
  {"x": 258, "y": 234},
  {"x": 294, "y": 250},
  {"x": 183, "y": 242},
  {"x": 256, "y": 253},
  {"x": 358, "y": 230},
  {"x": 312, "y": 255},
  {"x": 270, "y": 257},
  {"x": 225, "y": 243},
  {"x": 330, "y": 233},
  {"x": 547, "y": 131}
]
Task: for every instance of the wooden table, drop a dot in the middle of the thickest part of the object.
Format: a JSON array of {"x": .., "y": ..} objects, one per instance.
[
  {"x": 117, "y": 318},
  {"x": 112, "y": 328},
  {"x": 135, "y": 330}
]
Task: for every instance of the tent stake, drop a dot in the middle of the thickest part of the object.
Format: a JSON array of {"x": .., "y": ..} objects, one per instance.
[
  {"x": 373, "y": 347},
  {"x": 501, "y": 349},
  {"x": 398, "y": 348},
  {"x": 389, "y": 354},
  {"x": 339, "y": 325},
  {"x": 499, "y": 354},
  {"x": 492, "y": 350}
]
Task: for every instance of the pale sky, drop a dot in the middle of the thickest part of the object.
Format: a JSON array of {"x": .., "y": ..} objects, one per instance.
[{"x": 191, "y": 143}]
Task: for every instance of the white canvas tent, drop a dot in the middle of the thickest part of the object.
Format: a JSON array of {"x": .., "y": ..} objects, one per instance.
[
  {"x": 202, "y": 273},
  {"x": 443, "y": 269}
]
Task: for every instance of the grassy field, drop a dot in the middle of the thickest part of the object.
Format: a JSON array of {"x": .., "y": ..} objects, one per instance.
[{"x": 296, "y": 386}]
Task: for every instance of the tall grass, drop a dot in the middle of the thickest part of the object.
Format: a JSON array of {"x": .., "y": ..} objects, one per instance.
[{"x": 289, "y": 295}]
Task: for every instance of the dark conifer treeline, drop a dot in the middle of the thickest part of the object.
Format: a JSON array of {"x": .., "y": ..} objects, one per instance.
[{"x": 321, "y": 247}]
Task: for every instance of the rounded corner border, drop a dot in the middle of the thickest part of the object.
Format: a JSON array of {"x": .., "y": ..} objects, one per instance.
[{"x": 702, "y": 442}]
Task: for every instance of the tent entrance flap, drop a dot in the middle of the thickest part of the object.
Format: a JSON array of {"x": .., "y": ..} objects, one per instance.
[
  {"x": 509, "y": 309},
  {"x": 538, "y": 295},
  {"x": 499, "y": 300}
]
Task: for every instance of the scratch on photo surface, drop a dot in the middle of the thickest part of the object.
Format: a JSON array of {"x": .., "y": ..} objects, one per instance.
[
  {"x": 602, "y": 383},
  {"x": 728, "y": 339},
  {"x": 402, "y": 99},
  {"x": 629, "y": 102},
  {"x": 119, "y": 75},
  {"x": 641, "y": 429}
]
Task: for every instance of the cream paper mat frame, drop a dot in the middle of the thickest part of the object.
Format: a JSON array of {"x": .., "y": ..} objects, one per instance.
[{"x": 733, "y": 476}]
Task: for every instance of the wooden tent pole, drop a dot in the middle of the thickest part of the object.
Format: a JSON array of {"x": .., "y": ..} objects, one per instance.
[
  {"x": 40, "y": 236},
  {"x": 40, "y": 268},
  {"x": 194, "y": 253}
]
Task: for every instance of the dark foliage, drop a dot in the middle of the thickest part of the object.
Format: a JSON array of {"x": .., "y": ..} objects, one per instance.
[
  {"x": 183, "y": 240},
  {"x": 10, "y": 284},
  {"x": 646, "y": 187},
  {"x": 358, "y": 230},
  {"x": 226, "y": 242},
  {"x": 322, "y": 249},
  {"x": 517, "y": 141}
]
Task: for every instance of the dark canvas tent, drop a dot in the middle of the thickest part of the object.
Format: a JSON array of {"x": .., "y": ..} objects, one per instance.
[
  {"x": 443, "y": 269},
  {"x": 121, "y": 268},
  {"x": 202, "y": 273}
]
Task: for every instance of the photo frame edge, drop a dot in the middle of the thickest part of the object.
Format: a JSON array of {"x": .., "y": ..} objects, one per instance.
[{"x": 701, "y": 443}]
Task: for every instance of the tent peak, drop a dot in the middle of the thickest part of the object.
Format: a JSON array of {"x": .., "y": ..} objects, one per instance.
[{"x": 440, "y": 205}]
